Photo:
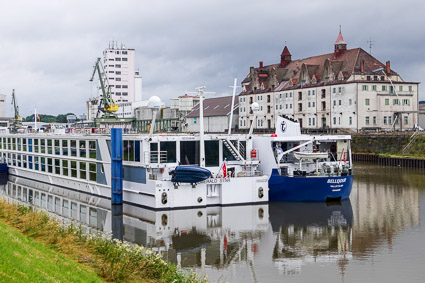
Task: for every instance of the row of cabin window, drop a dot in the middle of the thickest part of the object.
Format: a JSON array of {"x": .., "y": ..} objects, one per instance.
[
  {"x": 80, "y": 148},
  {"x": 63, "y": 207},
  {"x": 189, "y": 153},
  {"x": 71, "y": 168}
]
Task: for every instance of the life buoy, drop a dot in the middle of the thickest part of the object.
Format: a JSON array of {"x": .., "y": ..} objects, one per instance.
[{"x": 254, "y": 153}]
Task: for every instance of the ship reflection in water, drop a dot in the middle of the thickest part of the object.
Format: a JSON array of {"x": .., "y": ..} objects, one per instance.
[{"x": 260, "y": 243}]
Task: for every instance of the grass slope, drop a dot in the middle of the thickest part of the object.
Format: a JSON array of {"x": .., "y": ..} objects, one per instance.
[{"x": 24, "y": 260}]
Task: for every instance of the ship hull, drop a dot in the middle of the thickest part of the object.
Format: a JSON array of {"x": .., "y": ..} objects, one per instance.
[{"x": 320, "y": 188}]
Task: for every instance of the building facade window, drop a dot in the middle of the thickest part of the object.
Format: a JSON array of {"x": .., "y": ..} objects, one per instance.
[
  {"x": 374, "y": 120},
  {"x": 406, "y": 120},
  {"x": 367, "y": 101},
  {"x": 367, "y": 120},
  {"x": 387, "y": 101},
  {"x": 365, "y": 87},
  {"x": 374, "y": 87},
  {"x": 350, "y": 120}
]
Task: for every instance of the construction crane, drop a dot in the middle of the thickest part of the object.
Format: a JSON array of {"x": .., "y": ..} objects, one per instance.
[
  {"x": 17, "y": 121},
  {"x": 107, "y": 104}
]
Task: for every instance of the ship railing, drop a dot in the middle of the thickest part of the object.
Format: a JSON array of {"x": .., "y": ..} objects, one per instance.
[
  {"x": 253, "y": 173},
  {"x": 156, "y": 156}
]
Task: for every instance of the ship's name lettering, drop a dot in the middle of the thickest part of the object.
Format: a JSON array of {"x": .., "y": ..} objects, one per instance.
[
  {"x": 337, "y": 181},
  {"x": 215, "y": 181}
]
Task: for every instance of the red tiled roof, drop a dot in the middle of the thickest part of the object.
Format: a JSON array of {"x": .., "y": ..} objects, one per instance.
[
  {"x": 285, "y": 52},
  {"x": 346, "y": 64},
  {"x": 340, "y": 39}
]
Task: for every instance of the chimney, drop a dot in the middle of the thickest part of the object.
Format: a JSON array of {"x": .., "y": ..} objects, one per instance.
[
  {"x": 387, "y": 67},
  {"x": 261, "y": 64},
  {"x": 251, "y": 72},
  {"x": 362, "y": 66}
]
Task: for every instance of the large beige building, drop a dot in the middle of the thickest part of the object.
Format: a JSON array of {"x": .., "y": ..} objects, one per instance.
[{"x": 346, "y": 89}]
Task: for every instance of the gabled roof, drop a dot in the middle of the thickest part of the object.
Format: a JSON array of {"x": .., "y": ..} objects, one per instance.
[
  {"x": 340, "y": 39},
  {"x": 285, "y": 52},
  {"x": 218, "y": 106}
]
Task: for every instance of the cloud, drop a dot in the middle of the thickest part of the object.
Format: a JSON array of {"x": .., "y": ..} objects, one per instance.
[{"x": 48, "y": 48}]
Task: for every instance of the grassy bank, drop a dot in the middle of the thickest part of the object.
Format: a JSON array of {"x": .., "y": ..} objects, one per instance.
[
  {"x": 39, "y": 248},
  {"x": 390, "y": 145}
]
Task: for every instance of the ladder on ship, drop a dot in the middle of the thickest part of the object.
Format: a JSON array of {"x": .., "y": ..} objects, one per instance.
[{"x": 236, "y": 148}]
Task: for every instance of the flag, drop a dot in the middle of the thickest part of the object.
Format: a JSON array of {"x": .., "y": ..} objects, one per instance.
[
  {"x": 224, "y": 170},
  {"x": 343, "y": 156},
  {"x": 33, "y": 117}
]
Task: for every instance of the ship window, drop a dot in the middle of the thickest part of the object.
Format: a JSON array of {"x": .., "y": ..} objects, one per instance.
[
  {"x": 43, "y": 200},
  {"x": 30, "y": 157},
  {"x": 50, "y": 202},
  {"x": 74, "y": 169},
  {"x": 49, "y": 165},
  {"x": 49, "y": 146},
  {"x": 57, "y": 166},
  {"x": 154, "y": 152},
  {"x": 57, "y": 205},
  {"x": 212, "y": 156},
  {"x": 43, "y": 164},
  {"x": 83, "y": 214},
  {"x": 19, "y": 144},
  {"x": 19, "y": 160},
  {"x": 36, "y": 163},
  {"x": 189, "y": 152},
  {"x": 92, "y": 149},
  {"x": 36, "y": 198},
  {"x": 65, "y": 208},
  {"x": 1, "y": 143},
  {"x": 82, "y": 170},
  {"x": 129, "y": 150},
  {"x": 36, "y": 145},
  {"x": 64, "y": 147},
  {"x": 93, "y": 217},
  {"x": 65, "y": 167},
  {"x": 92, "y": 171},
  {"x": 74, "y": 210},
  {"x": 24, "y": 144},
  {"x": 169, "y": 150},
  {"x": 73, "y": 148},
  {"x": 42, "y": 146},
  {"x": 24, "y": 161},
  {"x": 82, "y": 146},
  {"x": 14, "y": 143},
  {"x": 57, "y": 147}
]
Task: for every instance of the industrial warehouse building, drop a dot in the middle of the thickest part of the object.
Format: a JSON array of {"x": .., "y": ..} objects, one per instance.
[{"x": 216, "y": 115}]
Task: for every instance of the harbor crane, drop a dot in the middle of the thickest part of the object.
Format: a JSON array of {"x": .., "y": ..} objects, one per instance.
[
  {"x": 17, "y": 121},
  {"x": 107, "y": 104}
]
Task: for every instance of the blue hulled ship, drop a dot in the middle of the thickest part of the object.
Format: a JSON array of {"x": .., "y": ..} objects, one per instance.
[{"x": 305, "y": 167}]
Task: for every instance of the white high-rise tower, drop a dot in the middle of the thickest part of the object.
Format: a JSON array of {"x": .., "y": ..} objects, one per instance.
[
  {"x": 120, "y": 73},
  {"x": 123, "y": 79}
]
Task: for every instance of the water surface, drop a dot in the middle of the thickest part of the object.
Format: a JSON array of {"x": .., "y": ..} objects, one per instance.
[{"x": 376, "y": 236}]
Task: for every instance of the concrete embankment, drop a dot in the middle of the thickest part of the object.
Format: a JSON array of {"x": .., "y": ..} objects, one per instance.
[{"x": 391, "y": 149}]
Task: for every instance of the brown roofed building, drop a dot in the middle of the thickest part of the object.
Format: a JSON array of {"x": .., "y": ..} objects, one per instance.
[
  {"x": 216, "y": 115},
  {"x": 348, "y": 88}
]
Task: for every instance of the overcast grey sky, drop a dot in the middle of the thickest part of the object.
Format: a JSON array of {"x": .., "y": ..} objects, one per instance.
[{"x": 48, "y": 48}]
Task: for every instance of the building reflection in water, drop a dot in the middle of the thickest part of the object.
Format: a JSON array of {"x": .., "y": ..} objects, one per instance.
[
  {"x": 385, "y": 202},
  {"x": 311, "y": 232},
  {"x": 261, "y": 242}
]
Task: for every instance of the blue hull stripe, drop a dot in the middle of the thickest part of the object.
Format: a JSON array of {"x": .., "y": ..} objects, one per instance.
[{"x": 308, "y": 188}]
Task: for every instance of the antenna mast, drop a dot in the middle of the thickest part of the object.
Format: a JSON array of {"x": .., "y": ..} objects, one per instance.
[{"x": 371, "y": 43}]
